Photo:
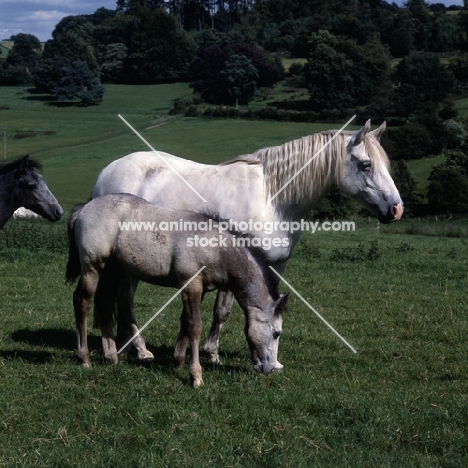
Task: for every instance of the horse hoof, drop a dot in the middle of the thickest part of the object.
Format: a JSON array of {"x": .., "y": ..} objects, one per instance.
[
  {"x": 146, "y": 356},
  {"x": 112, "y": 360},
  {"x": 197, "y": 382},
  {"x": 213, "y": 357}
]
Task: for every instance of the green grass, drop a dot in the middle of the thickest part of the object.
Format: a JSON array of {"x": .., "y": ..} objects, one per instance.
[
  {"x": 87, "y": 139},
  {"x": 461, "y": 106},
  {"x": 400, "y": 401},
  {"x": 397, "y": 294}
]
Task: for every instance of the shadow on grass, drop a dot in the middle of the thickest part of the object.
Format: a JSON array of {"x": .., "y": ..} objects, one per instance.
[
  {"x": 60, "y": 338},
  {"x": 65, "y": 340},
  {"x": 32, "y": 357}
]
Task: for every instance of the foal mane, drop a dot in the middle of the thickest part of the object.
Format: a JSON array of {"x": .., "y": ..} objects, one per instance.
[
  {"x": 21, "y": 163},
  {"x": 316, "y": 159}
]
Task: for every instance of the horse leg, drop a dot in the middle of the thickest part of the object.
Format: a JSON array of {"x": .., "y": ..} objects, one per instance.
[
  {"x": 190, "y": 331},
  {"x": 127, "y": 327},
  {"x": 104, "y": 310},
  {"x": 221, "y": 311},
  {"x": 82, "y": 303}
]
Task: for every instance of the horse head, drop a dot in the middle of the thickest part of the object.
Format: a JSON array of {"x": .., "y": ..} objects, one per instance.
[
  {"x": 366, "y": 175},
  {"x": 31, "y": 191},
  {"x": 263, "y": 331}
]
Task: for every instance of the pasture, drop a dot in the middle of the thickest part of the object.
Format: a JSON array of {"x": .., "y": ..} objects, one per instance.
[{"x": 397, "y": 294}]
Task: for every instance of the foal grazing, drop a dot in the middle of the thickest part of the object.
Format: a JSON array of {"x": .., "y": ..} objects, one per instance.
[
  {"x": 22, "y": 186},
  {"x": 101, "y": 250}
]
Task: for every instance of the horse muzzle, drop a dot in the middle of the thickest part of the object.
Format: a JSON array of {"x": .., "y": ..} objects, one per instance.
[
  {"x": 268, "y": 369},
  {"x": 50, "y": 211},
  {"x": 393, "y": 214}
]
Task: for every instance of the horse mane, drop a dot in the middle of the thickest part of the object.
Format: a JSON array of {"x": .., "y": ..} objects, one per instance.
[
  {"x": 22, "y": 163},
  {"x": 312, "y": 164}
]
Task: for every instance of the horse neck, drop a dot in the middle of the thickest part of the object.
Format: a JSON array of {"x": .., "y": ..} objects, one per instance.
[
  {"x": 7, "y": 207},
  {"x": 247, "y": 280},
  {"x": 310, "y": 166}
]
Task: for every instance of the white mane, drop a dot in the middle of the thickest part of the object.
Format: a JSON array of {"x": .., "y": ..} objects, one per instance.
[{"x": 281, "y": 163}]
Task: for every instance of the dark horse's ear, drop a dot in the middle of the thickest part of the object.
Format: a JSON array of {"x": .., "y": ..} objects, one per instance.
[
  {"x": 281, "y": 305},
  {"x": 23, "y": 167}
]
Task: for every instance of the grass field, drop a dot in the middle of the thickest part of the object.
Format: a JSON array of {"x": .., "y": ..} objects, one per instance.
[{"x": 398, "y": 294}]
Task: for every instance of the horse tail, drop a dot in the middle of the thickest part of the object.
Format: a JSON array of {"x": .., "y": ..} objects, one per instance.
[{"x": 73, "y": 270}]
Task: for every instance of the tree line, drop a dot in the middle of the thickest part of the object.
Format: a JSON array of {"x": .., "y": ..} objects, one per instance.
[{"x": 368, "y": 57}]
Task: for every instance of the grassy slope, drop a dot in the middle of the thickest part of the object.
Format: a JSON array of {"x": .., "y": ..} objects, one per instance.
[{"x": 87, "y": 139}]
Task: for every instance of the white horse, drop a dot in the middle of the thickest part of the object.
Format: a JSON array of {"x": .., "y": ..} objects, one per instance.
[{"x": 252, "y": 188}]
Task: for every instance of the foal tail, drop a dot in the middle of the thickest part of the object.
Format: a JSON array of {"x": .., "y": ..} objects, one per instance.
[{"x": 73, "y": 270}]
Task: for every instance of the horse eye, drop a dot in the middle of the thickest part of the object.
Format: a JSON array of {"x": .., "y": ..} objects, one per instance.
[
  {"x": 365, "y": 165},
  {"x": 27, "y": 184},
  {"x": 276, "y": 334}
]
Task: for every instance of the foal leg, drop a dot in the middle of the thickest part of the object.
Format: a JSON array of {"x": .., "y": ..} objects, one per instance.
[
  {"x": 191, "y": 329},
  {"x": 82, "y": 303},
  {"x": 221, "y": 311},
  {"x": 104, "y": 310},
  {"x": 126, "y": 322}
]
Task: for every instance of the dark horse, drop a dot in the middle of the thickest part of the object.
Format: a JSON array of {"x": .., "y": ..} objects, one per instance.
[{"x": 22, "y": 186}]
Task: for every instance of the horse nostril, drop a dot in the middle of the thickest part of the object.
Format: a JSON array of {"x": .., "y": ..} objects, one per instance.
[{"x": 397, "y": 211}]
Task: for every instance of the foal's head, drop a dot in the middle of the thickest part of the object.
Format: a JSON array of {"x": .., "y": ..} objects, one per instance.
[
  {"x": 263, "y": 330},
  {"x": 30, "y": 190}
]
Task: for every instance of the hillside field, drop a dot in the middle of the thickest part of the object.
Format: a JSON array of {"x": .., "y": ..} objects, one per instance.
[{"x": 397, "y": 293}]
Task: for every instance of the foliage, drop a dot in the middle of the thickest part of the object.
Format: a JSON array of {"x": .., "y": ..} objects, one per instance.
[
  {"x": 239, "y": 78},
  {"x": 76, "y": 81},
  {"x": 341, "y": 74},
  {"x": 422, "y": 83},
  {"x": 405, "y": 183},
  {"x": 25, "y": 52},
  {"x": 19, "y": 65},
  {"x": 159, "y": 51},
  {"x": 224, "y": 74},
  {"x": 448, "y": 187}
]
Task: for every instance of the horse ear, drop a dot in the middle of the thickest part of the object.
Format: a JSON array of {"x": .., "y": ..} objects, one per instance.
[
  {"x": 358, "y": 137},
  {"x": 23, "y": 166},
  {"x": 377, "y": 133},
  {"x": 281, "y": 305}
]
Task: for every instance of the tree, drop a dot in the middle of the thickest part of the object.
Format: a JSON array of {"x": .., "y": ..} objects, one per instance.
[
  {"x": 405, "y": 182},
  {"x": 341, "y": 74},
  {"x": 78, "y": 82},
  {"x": 21, "y": 62},
  {"x": 215, "y": 70},
  {"x": 26, "y": 51},
  {"x": 422, "y": 83},
  {"x": 160, "y": 51},
  {"x": 206, "y": 68},
  {"x": 113, "y": 60},
  {"x": 448, "y": 189},
  {"x": 239, "y": 77}
]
